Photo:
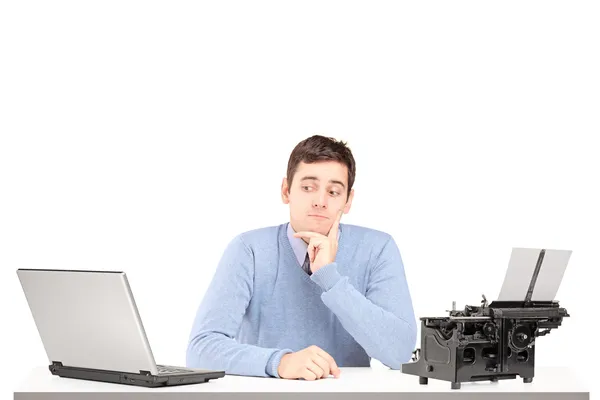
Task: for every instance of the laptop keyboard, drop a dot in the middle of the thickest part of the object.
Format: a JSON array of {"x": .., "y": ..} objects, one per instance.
[{"x": 162, "y": 369}]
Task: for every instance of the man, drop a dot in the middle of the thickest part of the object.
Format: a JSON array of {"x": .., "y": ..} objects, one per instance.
[{"x": 301, "y": 299}]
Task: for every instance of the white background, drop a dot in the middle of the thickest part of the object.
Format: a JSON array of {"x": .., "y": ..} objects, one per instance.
[{"x": 142, "y": 136}]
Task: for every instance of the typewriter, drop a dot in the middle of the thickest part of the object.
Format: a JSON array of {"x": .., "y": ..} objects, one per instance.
[{"x": 495, "y": 341}]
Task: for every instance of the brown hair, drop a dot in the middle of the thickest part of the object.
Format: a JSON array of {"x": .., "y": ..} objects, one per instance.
[{"x": 320, "y": 148}]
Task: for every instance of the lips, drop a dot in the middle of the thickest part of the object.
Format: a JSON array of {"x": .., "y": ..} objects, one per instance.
[{"x": 318, "y": 216}]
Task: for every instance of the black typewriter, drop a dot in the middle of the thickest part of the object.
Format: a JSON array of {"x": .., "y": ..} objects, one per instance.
[{"x": 497, "y": 340}]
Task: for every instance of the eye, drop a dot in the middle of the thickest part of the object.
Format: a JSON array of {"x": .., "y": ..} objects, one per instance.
[
  {"x": 306, "y": 188},
  {"x": 334, "y": 193}
]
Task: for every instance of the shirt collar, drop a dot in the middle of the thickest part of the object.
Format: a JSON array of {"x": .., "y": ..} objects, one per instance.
[{"x": 299, "y": 246}]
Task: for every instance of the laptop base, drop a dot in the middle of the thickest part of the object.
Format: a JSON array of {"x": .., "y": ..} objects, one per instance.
[{"x": 141, "y": 379}]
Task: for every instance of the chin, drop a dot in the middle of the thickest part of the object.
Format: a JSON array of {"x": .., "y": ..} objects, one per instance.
[
  {"x": 323, "y": 230},
  {"x": 315, "y": 226}
]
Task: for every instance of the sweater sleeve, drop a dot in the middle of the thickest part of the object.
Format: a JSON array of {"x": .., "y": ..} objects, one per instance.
[
  {"x": 212, "y": 343},
  {"x": 382, "y": 321}
]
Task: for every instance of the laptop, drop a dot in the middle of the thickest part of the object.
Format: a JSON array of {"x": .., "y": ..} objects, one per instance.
[{"x": 91, "y": 329}]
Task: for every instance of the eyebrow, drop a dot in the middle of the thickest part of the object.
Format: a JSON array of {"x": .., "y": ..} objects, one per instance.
[{"x": 314, "y": 178}]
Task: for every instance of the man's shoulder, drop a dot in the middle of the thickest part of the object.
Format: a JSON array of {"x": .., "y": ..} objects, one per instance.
[
  {"x": 354, "y": 233},
  {"x": 370, "y": 241},
  {"x": 262, "y": 235},
  {"x": 365, "y": 234}
]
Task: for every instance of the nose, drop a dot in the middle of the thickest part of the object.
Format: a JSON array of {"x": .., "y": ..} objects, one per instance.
[{"x": 320, "y": 200}]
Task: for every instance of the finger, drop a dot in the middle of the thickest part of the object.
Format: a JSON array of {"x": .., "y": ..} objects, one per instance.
[
  {"x": 313, "y": 248},
  {"x": 336, "y": 224},
  {"x": 314, "y": 368},
  {"x": 308, "y": 235},
  {"x": 308, "y": 375},
  {"x": 333, "y": 367},
  {"x": 312, "y": 253},
  {"x": 323, "y": 364}
]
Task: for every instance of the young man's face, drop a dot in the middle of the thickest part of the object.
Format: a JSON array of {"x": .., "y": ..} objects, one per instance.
[{"x": 317, "y": 192}]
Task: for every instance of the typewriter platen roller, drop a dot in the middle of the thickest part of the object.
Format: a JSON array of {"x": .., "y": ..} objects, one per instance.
[{"x": 497, "y": 340}]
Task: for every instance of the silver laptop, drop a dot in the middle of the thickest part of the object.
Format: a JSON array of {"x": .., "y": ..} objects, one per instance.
[{"x": 91, "y": 329}]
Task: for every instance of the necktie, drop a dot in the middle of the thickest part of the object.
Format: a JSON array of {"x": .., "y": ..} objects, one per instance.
[{"x": 306, "y": 265}]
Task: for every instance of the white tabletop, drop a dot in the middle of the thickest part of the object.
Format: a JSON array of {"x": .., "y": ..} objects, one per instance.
[{"x": 547, "y": 379}]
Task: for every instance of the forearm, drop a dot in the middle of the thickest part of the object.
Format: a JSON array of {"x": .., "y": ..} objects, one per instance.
[
  {"x": 384, "y": 335},
  {"x": 214, "y": 350}
]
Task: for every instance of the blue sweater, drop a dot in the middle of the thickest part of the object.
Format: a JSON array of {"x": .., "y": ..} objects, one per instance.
[{"x": 261, "y": 305}]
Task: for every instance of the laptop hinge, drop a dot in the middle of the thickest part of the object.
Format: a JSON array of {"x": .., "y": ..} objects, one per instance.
[
  {"x": 55, "y": 366},
  {"x": 147, "y": 373}
]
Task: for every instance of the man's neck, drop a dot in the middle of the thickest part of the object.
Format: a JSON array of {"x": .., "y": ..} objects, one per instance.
[{"x": 296, "y": 231}]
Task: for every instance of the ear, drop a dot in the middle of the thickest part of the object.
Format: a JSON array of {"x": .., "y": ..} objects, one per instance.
[
  {"x": 285, "y": 191},
  {"x": 349, "y": 202}
]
